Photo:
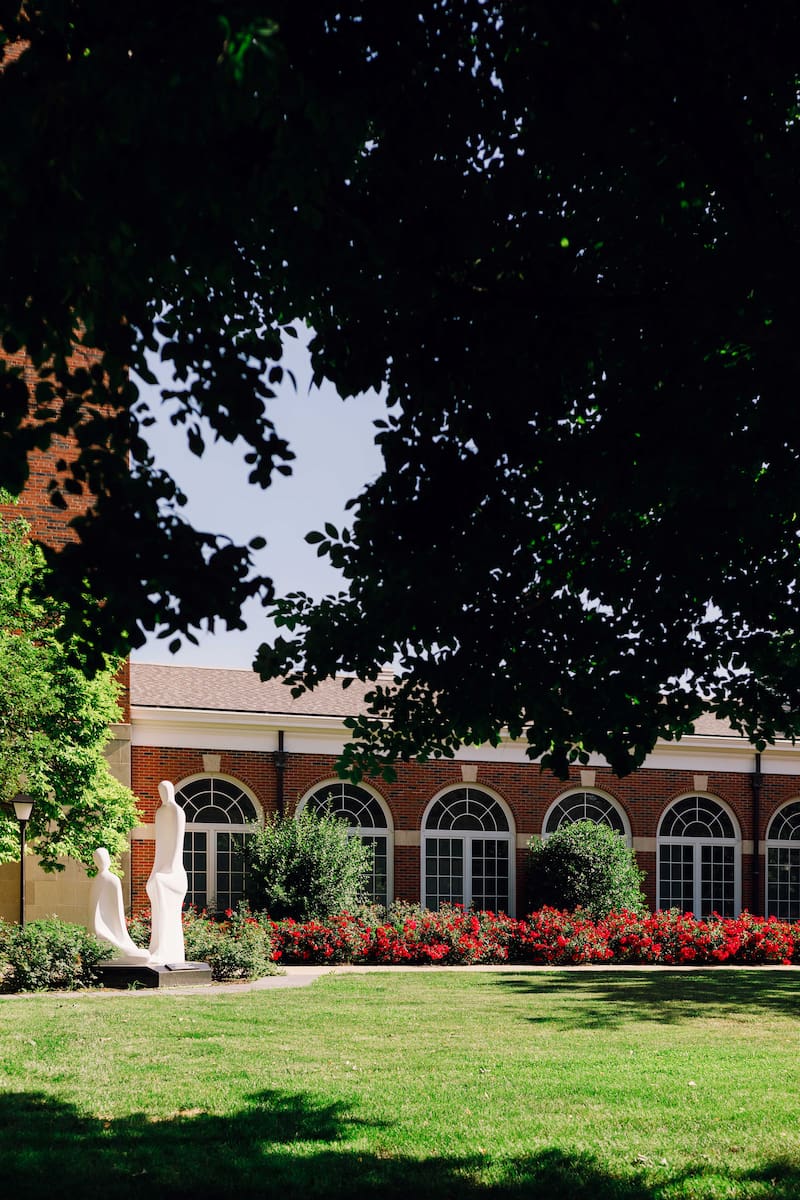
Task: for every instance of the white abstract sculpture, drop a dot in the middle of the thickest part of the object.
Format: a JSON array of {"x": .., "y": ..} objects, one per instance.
[
  {"x": 107, "y": 916},
  {"x": 167, "y": 884}
]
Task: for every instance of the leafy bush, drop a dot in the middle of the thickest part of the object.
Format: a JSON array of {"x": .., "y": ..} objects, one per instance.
[
  {"x": 240, "y": 947},
  {"x": 306, "y": 867},
  {"x": 343, "y": 938},
  {"x": 672, "y": 936},
  {"x": 237, "y": 948},
  {"x": 552, "y": 937},
  {"x": 408, "y": 934},
  {"x": 451, "y": 935},
  {"x": 562, "y": 939},
  {"x": 52, "y": 954},
  {"x": 48, "y": 954},
  {"x": 139, "y": 929},
  {"x": 584, "y": 865}
]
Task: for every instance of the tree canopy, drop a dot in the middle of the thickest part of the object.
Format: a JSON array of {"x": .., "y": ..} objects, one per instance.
[
  {"x": 54, "y": 724},
  {"x": 563, "y": 238}
]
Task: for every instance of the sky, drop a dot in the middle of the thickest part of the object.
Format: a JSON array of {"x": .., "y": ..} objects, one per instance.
[{"x": 333, "y": 441}]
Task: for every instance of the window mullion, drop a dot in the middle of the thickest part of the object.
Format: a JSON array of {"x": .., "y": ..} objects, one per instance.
[
  {"x": 467, "y": 870},
  {"x": 211, "y": 853}
]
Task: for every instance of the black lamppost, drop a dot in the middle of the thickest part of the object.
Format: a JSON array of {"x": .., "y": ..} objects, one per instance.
[{"x": 23, "y": 806}]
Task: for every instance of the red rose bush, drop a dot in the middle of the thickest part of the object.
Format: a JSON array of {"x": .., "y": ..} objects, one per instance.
[{"x": 549, "y": 937}]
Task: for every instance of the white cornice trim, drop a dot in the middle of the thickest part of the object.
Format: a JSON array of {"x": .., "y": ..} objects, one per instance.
[
  {"x": 205, "y": 729},
  {"x": 703, "y": 754},
  {"x": 201, "y": 729}
]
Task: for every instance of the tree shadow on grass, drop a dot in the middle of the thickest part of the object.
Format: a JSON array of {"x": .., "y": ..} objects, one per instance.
[
  {"x": 287, "y": 1146},
  {"x": 608, "y": 1001}
]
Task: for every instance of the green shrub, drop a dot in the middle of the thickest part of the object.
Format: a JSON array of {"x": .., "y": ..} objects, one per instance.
[
  {"x": 48, "y": 954},
  {"x": 237, "y": 948},
  {"x": 584, "y": 865},
  {"x": 139, "y": 929},
  {"x": 306, "y": 867}
]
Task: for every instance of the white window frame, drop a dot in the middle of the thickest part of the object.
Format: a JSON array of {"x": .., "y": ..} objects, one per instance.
[
  {"x": 772, "y": 843},
  {"x": 213, "y": 829},
  {"x": 468, "y": 836},
  {"x": 697, "y": 842},
  {"x": 359, "y": 831},
  {"x": 587, "y": 791}
]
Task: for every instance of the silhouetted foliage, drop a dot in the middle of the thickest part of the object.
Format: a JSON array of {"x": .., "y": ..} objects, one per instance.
[{"x": 563, "y": 238}]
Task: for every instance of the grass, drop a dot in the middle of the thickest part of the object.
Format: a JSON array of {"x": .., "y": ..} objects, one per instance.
[{"x": 634, "y": 1086}]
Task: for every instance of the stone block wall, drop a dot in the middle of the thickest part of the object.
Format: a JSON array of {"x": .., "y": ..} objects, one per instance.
[{"x": 65, "y": 893}]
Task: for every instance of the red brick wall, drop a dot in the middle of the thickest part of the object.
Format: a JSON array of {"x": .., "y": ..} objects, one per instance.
[
  {"x": 11, "y": 52},
  {"x": 50, "y": 524},
  {"x": 528, "y": 792}
]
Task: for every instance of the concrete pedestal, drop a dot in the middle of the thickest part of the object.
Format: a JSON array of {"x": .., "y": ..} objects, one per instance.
[{"x": 126, "y": 973}]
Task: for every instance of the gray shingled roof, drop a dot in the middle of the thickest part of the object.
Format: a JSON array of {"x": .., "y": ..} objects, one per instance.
[
  {"x": 223, "y": 689},
  {"x": 228, "y": 690},
  {"x": 710, "y": 726}
]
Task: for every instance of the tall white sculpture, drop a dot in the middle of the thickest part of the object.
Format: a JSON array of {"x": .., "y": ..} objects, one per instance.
[
  {"x": 167, "y": 884},
  {"x": 106, "y": 914}
]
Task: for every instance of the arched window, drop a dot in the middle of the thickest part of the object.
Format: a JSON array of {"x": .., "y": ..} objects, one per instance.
[
  {"x": 699, "y": 861},
  {"x": 219, "y": 816},
  {"x": 586, "y": 806},
  {"x": 367, "y": 818},
  {"x": 783, "y": 863},
  {"x": 467, "y": 851}
]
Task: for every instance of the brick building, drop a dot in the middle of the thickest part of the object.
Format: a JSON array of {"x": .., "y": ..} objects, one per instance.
[{"x": 713, "y": 825}]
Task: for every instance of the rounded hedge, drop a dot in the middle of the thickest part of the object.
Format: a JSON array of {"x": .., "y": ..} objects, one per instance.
[
  {"x": 306, "y": 867},
  {"x": 48, "y": 954},
  {"x": 584, "y": 865}
]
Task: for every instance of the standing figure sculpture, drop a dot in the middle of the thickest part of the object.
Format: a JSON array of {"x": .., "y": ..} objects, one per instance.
[
  {"x": 106, "y": 914},
  {"x": 167, "y": 884}
]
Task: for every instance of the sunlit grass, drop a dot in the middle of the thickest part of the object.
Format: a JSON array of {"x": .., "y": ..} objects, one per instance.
[{"x": 443, "y": 1084}]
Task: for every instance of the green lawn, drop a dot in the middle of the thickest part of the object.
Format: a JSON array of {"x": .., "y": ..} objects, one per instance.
[{"x": 642, "y": 1085}]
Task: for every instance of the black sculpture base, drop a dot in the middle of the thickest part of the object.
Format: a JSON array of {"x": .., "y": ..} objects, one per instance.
[{"x": 127, "y": 973}]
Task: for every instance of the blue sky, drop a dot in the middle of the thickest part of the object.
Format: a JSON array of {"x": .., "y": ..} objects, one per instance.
[{"x": 336, "y": 455}]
